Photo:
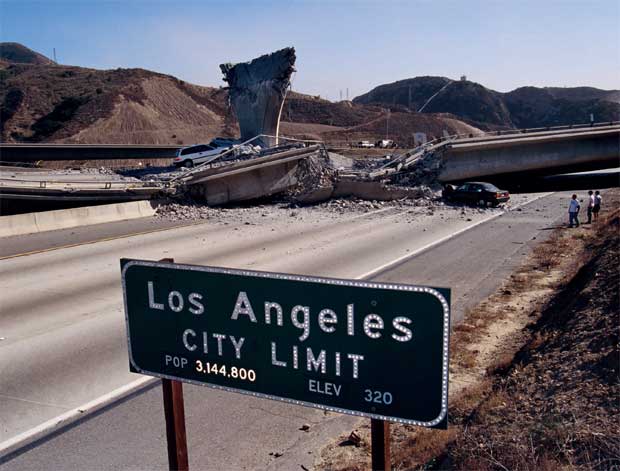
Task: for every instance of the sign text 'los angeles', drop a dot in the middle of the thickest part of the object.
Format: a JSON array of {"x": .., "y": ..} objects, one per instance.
[{"x": 359, "y": 347}]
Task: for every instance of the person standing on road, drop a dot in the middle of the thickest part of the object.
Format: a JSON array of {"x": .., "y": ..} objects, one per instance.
[
  {"x": 598, "y": 199},
  {"x": 590, "y": 206},
  {"x": 573, "y": 211}
]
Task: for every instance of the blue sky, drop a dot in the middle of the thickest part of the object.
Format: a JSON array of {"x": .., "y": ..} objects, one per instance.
[{"x": 340, "y": 44}]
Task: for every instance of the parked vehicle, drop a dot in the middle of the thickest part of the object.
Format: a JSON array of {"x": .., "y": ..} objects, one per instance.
[
  {"x": 198, "y": 154},
  {"x": 223, "y": 141},
  {"x": 480, "y": 193},
  {"x": 385, "y": 144},
  {"x": 365, "y": 144}
]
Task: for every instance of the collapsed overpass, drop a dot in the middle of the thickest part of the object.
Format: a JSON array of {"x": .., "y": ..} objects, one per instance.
[
  {"x": 458, "y": 158},
  {"x": 542, "y": 151}
]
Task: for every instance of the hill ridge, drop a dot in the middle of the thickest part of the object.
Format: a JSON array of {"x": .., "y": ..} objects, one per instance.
[
  {"x": 526, "y": 106},
  {"x": 11, "y": 52},
  {"x": 63, "y": 103}
]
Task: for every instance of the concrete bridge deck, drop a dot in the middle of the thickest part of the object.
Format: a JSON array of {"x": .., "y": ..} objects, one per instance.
[
  {"x": 29, "y": 184},
  {"x": 546, "y": 153}
]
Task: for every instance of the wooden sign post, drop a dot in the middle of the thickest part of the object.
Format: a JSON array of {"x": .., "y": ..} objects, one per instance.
[
  {"x": 380, "y": 445},
  {"x": 174, "y": 412}
]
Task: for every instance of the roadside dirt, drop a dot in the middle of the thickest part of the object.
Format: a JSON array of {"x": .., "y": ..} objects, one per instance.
[{"x": 534, "y": 369}]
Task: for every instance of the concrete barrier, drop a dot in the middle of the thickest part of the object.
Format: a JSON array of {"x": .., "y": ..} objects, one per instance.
[{"x": 30, "y": 223}]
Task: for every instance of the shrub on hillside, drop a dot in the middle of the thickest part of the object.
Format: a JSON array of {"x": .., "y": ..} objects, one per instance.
[{"x": 52, "y": 122}]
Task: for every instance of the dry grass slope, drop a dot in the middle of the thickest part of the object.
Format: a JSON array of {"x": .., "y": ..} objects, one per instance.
[{"x": 556, "y": 404}]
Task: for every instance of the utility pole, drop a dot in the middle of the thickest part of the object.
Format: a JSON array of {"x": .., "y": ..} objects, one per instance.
[
  {"x": 387, "y": 125},
  {"x": 409, "y": 102},
  {"x": 55, "y": 56}
]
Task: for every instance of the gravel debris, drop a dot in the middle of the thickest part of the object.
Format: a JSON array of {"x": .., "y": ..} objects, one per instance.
[{"x": 312, "y": 173}]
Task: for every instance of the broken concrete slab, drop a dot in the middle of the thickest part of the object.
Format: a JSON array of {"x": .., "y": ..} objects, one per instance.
[
  {"x": 339, "y": 161},
  {"x": 257, "y": 90},
  {"x": 250, "y": 179}
]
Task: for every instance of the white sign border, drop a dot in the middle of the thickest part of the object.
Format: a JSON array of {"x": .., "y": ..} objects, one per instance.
[{"x": 331, "y": 281}]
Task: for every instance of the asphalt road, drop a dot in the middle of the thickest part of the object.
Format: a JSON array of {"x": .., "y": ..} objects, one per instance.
[
  {"x": 62, "y": 323},
  {"x": 70, "y": 310}
]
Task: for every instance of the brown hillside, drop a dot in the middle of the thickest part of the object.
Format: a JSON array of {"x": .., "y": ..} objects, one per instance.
[
  {"x": 402, "y": 127},
  {"x": 300, "y": 108},
  {"x": 314, "y": 118},
  {"x": 488, "y": 109},
  {"x": 15, "y": 53},
  {"x": 74, "y": 104},
  {"x": 57, "y": 103}
]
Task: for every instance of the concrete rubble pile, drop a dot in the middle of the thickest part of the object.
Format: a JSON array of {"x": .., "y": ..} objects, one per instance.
[
  {"x": 185, "y": 210},
  {"x": 421, "y": 177},
  {"x": 369, "y": 164},
  {"x": 311, "y": 174},
  {"x": 346, "y": 205},
  {"x": 268, "y": 212},
  {"x": 423, "y": 173}
]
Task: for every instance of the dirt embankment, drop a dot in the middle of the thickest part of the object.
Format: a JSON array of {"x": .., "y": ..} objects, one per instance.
[
  {"x": 556, "y": 405},
  {"x": 534, "y": 373}
]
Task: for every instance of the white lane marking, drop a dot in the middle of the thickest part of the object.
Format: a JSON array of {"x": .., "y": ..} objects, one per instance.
[
  {"x": 50, "y": 426},
  {"x": 402, "y": 258},
  {"x": 68, "y": 417},
  {"x": 46, "y": 404}
]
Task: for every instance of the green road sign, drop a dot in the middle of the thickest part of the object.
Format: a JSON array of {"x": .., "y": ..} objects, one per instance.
[{"x": 365, "y": 348}]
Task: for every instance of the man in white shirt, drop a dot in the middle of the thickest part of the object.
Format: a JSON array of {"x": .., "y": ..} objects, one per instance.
[
  {"x": 591, "y": 203},
  {"x": 573, "y": 211}
]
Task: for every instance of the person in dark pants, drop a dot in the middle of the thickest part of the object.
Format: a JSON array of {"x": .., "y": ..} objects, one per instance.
[
  {"x": 598, "y": 199},
  {"x": 573, "y": 211},
  {"x": 590, "y": 206}
]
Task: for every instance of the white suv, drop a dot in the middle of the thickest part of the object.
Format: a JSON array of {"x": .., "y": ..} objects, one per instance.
[{"x": 198, "y": 154}]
